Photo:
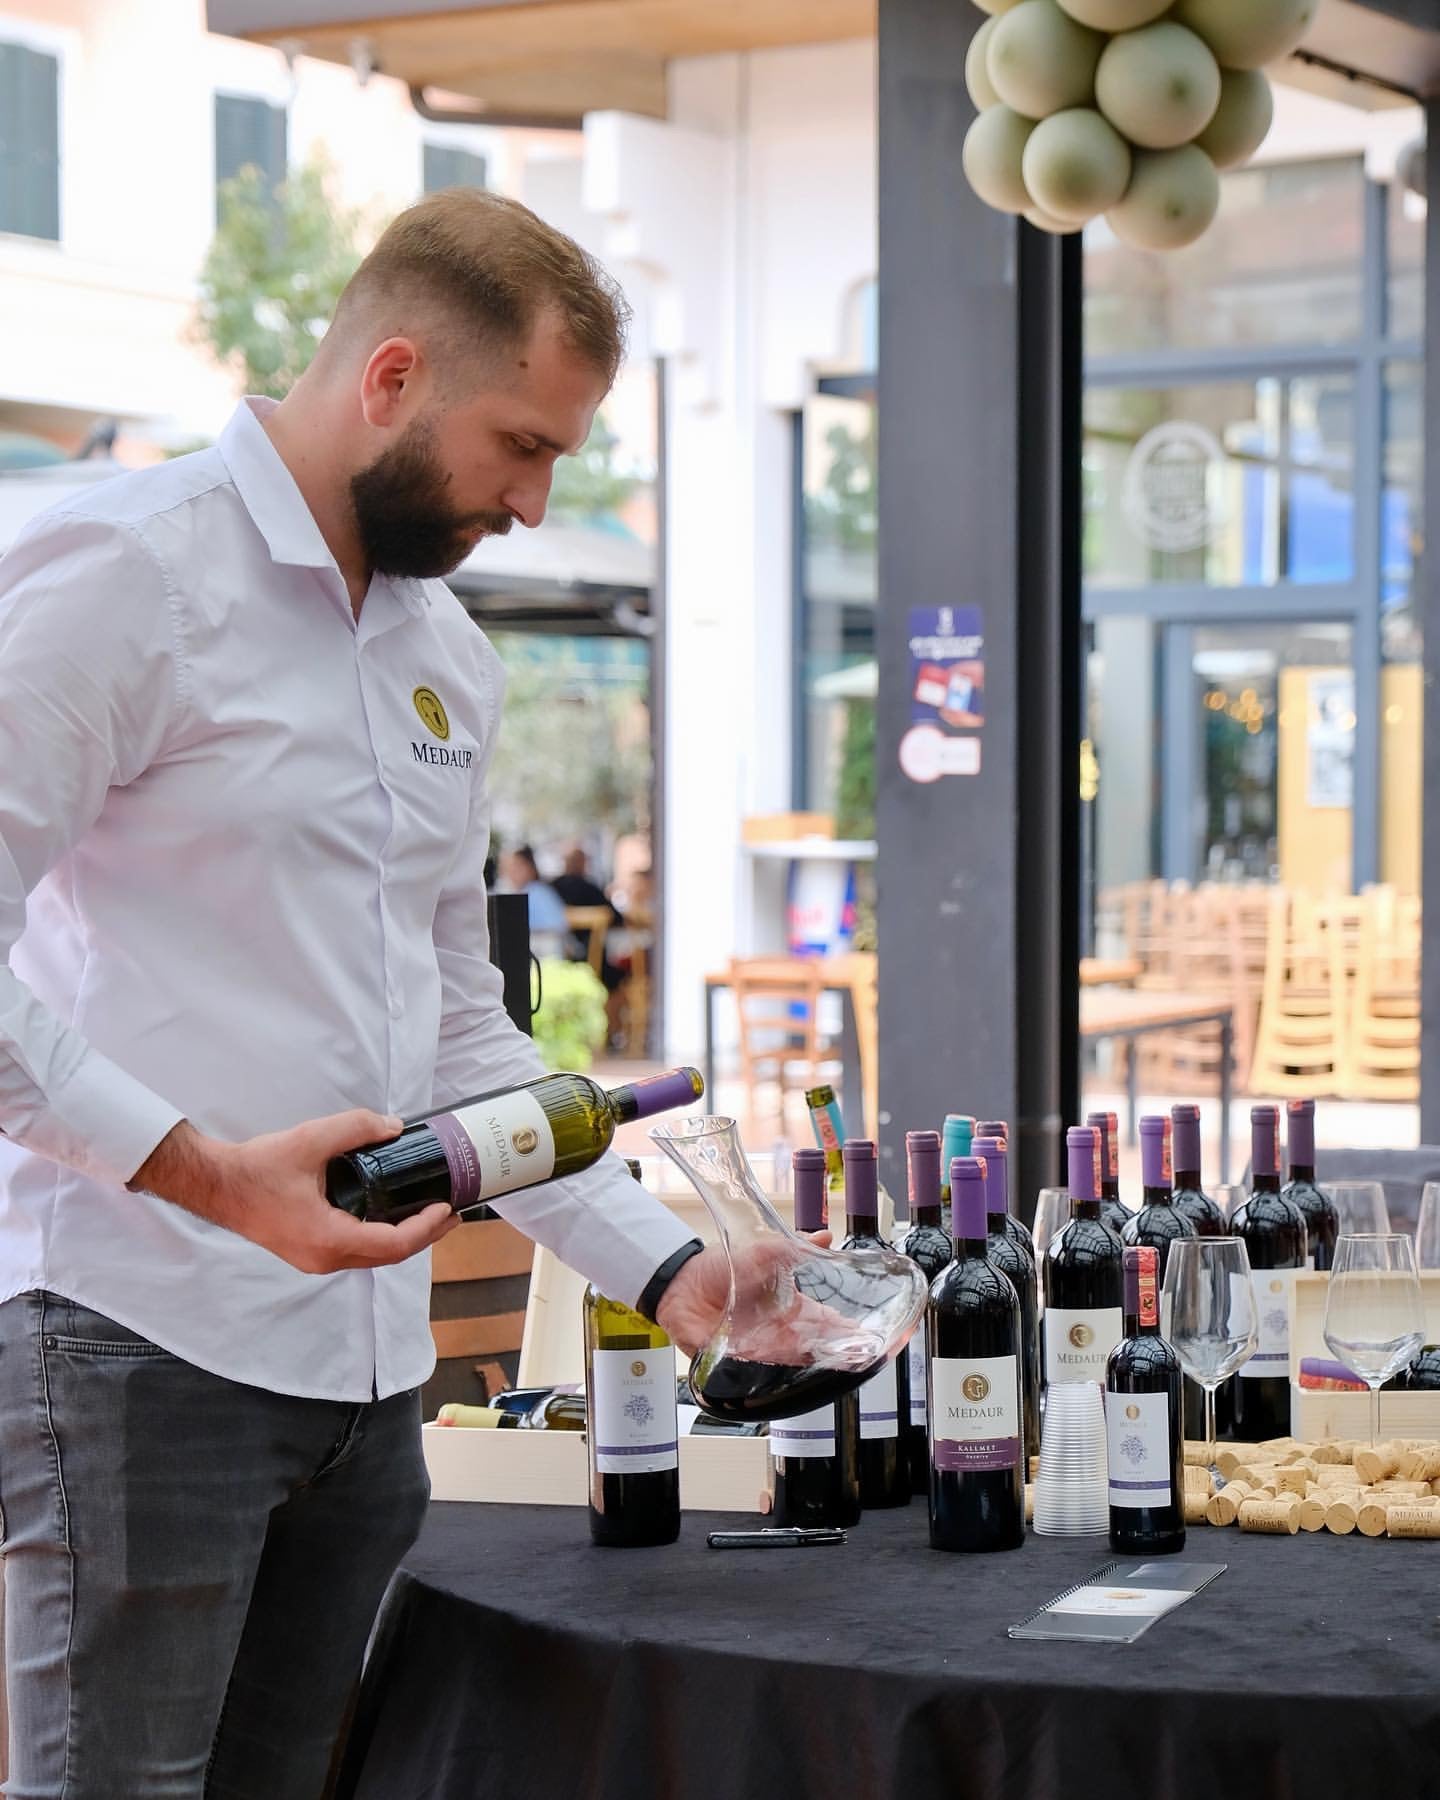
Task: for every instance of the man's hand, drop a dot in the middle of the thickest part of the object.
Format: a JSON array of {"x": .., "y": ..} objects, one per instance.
[
  {"x": 271, "y": 1190},
  {"x": 695, "y": 1301}
]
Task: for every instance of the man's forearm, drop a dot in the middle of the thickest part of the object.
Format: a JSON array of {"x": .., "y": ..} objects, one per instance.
[{"x": 191, "y": 1170}]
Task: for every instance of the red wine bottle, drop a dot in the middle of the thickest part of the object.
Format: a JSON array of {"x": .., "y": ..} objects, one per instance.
[
  {"x": 1321, "y": 1220},
  {"x": 977, "y": 1469},
  {"x": 1015, "y": 1258},
  {"x": 498, "y": 1143},
  {"x": 929, "y": 1245},
  {"x": 1143, "y": 1423},
  {"x": 1275, "y": 1236},
  {"x": 1159, "y": 1221},
  {"x": 885, "y": 1395},
  {"x": 1113, "y": 1210},
  {"x": 1083, "y": 1290},
  {"x": 816, "y": 1455},
  {"x": 1014, "y": 1230}
]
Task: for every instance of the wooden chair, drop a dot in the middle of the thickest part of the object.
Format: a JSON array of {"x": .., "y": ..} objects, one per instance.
[
  {"x": 590, "y": 923},
  {"x": 861, "y": 970},
  {"x": 1382, "y": 1037},
  {"x": 1299, "y": 1047},
  {"x": 480, "y": 1283},
  {"x": 639, "y": 936},
  {"x": 777, "y": 1005}
]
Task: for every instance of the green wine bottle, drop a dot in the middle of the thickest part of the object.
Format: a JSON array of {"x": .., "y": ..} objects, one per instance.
[
  {"x": 830, "y": 1136},
  {"x": 498, "y": 1143}
]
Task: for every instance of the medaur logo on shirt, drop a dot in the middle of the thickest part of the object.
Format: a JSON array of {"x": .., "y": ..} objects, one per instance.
[{"x": 432, "y": 713}]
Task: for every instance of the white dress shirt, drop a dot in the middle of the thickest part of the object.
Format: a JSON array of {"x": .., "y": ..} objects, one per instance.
[{"x": 254, "y": 884}]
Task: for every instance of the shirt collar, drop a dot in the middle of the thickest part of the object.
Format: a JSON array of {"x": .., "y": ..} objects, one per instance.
[{"x": 275, "y": 503}]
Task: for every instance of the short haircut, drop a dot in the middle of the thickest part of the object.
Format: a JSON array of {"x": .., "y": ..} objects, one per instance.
[{"x": 482, "y": 269}]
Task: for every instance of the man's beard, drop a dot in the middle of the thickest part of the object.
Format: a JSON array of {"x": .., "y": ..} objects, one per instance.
[{"x": 405, "y": 524}]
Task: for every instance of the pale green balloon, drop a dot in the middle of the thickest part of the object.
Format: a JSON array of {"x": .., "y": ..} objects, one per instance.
[
  {"x": 977, "y": 77},
  {"x": 1247, "y": 34},
  {"x": 1075, "y": 165},
  {"x": 1158, "y": 86},
  {"x": 1172, "y": 199},
  {"x": 1040, "y": 61},
  {"x": 1242, "y": 119},
  {"x": 991, "y": 157}
]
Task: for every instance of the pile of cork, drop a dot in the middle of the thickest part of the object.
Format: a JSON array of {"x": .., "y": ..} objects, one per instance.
[{"x": 1283, "y": 1485}]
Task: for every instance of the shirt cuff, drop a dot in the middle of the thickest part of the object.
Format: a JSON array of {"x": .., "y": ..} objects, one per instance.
[
  {"x": 104, "y": 1122},
  {"x": 654, "y": 1292}
]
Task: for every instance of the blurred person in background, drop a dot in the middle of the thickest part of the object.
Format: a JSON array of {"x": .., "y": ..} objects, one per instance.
[
  {"x": 245, "y": 733},
  {"x": 550, "y": 933},
  {"x": 575, "y": 888}
]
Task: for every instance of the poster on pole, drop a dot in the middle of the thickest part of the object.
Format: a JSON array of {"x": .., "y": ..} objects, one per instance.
[{"x": 947, "y": 692}]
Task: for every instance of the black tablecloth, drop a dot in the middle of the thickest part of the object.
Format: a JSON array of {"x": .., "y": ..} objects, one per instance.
[{"x": 517, "y": 1662}]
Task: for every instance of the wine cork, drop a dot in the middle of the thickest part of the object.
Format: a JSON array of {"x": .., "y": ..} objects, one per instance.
[
  {"x": 1397, "y": 1486},
  {"x": 1333, "y": 1451},
  {"x": 1312, "y": 1514},
  {"x": 1371, "y": 1518},
  {"x": 1223, "y": 1507},
  {"x": 1340, "y": 1517},
  {"x": 1252, "y": 1472},
  {"x": 1196, "y": 1455},
  {"x": 1199, "y": 1481},
  {"x": 455, "y": 1412},
  {"x": 1420, "y": 1465},
  {"x": 1377, "y": 1464},
  {"x": 1413, "y": 1521},
  {"x": 1227, "y": 1461},
  {"x": 1029, "y": 1502},
  {"x": 1034, "y": 1467},
  {"x": 1282, "y": 1446},
  {"x": 1196, "y": 1507},
  {"x": 1293, "y": 1481},
  {"x": 1335, "y": 1474},
  {"x": 1281, "y": 1516}
]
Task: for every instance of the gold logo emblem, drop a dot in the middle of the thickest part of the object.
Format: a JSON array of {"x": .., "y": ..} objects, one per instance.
[
  {"x": 1277, "y": 1287},
  {"x": 637, "y": 1367},
  {"x": 432, "y": 713},
  {"x": 525, "y": 1139},
  {"x": 1132, "y": 1412},
  {"x": 975, "y": 1388},
  {"x": 1081, "y": 1335}
]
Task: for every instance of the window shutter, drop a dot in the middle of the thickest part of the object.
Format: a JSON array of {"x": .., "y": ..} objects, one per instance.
[
  {"x": 249, "y": 132},
  {"x": 446, "y": 166},
  {"x": 29, "y": 142}
]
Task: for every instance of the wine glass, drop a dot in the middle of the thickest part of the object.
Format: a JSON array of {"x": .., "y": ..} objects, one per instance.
[
  {"x": 1052, "y": 1214},
  {"x": 1210, "y": 1316},
  {"x": 1427, "y": 1228},
  {"x": 1360, "y": 1209},
  {"x": 1229, "y": 1196},
  {"x": 1374, "y": 1311}
]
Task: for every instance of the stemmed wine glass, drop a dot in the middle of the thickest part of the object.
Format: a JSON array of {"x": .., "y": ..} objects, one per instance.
[
  {"x": 1374, "y": 1311},
  {"x": 1209, "y": 1314},
  {"x": 1052, "y": 1214},
  {"x": 1427, "y": 1229},
  {"x": 1360, "y": 1209}
]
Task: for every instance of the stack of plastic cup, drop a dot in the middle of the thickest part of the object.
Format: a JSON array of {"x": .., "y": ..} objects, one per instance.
[{"x": 1072, "y": 1488}]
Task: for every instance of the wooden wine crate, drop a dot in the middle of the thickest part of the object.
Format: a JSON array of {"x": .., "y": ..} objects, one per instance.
[
  {"x": 547, "y": 1468},
  {"x": 1316, "y": 1416}
]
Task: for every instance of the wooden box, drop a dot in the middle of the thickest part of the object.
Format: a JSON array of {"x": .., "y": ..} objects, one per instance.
[
  {"x": 1316, "y": 1416},
  {"x": 547, "y": 1468}
]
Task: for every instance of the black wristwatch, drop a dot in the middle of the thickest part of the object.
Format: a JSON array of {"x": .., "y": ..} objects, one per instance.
[{"x": 648, "y": 1303}]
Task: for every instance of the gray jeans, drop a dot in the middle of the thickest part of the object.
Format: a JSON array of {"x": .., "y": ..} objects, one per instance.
[{"x": 192, "y": 1566}]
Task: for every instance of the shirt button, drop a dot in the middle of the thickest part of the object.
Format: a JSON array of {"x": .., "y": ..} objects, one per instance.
[{"x": 395, "y": 1008}]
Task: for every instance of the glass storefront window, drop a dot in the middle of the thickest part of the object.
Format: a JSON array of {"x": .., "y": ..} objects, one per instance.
[
  {"x": 1281, "y": 264},
  {"x": 837, "y": 676},
  {"x": 1401, "y": 521},
  {"x": 1226, "y": 484},
  {"x": 1405, "y": 255}
]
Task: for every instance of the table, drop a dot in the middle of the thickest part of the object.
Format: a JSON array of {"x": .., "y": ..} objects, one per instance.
[
  {"x": 838, "y": 979},
  {"x": 1119, "y": 1013},
  {"x": 514, "y": 1661},
  {"x": 1113, "y": 971}
]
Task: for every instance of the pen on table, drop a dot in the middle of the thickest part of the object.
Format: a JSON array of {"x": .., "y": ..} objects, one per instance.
[{"x": 776, "y": 1537}]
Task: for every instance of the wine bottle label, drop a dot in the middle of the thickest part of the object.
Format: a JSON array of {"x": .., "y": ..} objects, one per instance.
[
  {"x": 880, "y": 1404},
  {"x": 1137, "y": 1438},
  {"x": 495, "y": 1146},
  {"x": 1272, "y": 1289},
  {"x": 807, "y": 1434},
  {"x": 977, "y": 1413},
  {"x": 915, "y": 1362},
  {"x": 633, "y": 1413},
  {"x": 1078, "y": 1343}
]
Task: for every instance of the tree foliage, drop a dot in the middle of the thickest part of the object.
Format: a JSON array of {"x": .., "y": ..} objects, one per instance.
[{"x": 273, "y": 273}]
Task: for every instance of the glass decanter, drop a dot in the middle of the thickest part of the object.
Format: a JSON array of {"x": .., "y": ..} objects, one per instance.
[{"x": 803, "y": 1325}]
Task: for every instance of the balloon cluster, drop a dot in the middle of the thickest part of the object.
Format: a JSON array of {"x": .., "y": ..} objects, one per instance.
[{"x": 1121, "y": 107}]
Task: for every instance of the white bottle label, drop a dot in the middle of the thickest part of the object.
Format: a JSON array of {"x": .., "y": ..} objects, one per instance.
[
  {"x": 1078, "y": 1344},
  {"x": 1137, "y": 1437},
  {"x": 495, "y": 1146},
  {"x": 633, "y": 1412},
  {"x": 807, "y": 1434},
  {"x": 880, "y": 1404},
  {"x": 915, "y": 1362},
  {"x": 977, "y": 1413},
  {"x": 1273, "y": 1289}
]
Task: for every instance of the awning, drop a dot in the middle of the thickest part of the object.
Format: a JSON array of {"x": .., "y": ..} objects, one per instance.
[
  {"x": 559, "y": 59},
  {"x": 538, "y": 59}
]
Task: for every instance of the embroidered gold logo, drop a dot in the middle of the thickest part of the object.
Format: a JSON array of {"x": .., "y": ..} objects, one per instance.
[
  {"x": 432, "y": 713},
  {"x": 975, "y": 1388},
  {"x": 525, "y": 1139},
  {"x": 1081, "y": 1335},
  {"x": 637, "y": 1367}
]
